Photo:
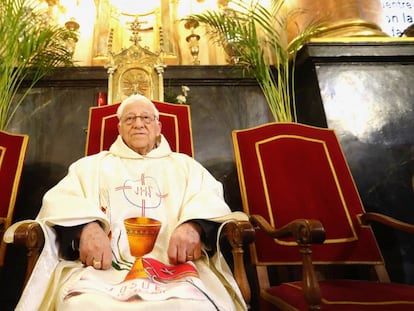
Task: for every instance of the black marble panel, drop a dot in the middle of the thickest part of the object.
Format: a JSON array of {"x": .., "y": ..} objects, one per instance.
[{"x": 366, "y": 92}]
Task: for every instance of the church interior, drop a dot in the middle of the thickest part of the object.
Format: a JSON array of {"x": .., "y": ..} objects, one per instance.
[{"x": 354, "y": 75}]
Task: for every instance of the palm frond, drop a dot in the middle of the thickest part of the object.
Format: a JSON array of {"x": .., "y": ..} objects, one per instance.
[
  {"x": 252, "y": 31},
  {"x": 30, "y": 48}
]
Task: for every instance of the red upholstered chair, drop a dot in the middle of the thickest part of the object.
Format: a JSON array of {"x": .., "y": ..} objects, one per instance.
[
  {"x": 175, "y": 119},
  {"x": 12, "y": 154},
  {"x": 298, "y": 190}
]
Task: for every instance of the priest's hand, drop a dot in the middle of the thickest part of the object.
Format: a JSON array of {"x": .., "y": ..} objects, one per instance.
[
  {"x": 185, "y": 243},
  {"x": 95, "y": 247}
]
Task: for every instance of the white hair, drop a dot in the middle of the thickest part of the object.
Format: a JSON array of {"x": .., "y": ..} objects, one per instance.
[{"x": 136, "y": 98}]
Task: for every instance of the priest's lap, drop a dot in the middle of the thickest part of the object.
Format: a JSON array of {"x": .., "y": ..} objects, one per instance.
[{"x": 100, "y": 302}]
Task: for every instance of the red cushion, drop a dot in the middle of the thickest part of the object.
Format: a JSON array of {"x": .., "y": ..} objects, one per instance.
[{"x": 342, "y": 295}]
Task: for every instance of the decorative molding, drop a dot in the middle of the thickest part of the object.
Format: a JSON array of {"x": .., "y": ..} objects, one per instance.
[{"x": 173, "y": 76}]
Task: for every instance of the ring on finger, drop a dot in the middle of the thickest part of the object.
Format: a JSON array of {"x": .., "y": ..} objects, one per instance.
[{"x": 96, "y": 263}]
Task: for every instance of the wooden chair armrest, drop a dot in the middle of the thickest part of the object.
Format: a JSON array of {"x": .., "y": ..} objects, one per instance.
[
  {"x": 31, "y": 236},
  {"x": 239, "y": 234},
  {"x": 2, "y": 227},
  {"x": 306, "y": 232},
  {"x": 370, "y": 217}
]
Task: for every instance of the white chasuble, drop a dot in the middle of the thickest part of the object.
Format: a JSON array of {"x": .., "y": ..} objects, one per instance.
[{"x": 115, "y": 185}]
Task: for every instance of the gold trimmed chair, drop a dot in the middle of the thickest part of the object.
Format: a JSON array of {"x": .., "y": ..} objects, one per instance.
[
  {"x": 313, "y": 239},
  {"x": 12, "y": 154},
  {"x": 176, "y": 127}
]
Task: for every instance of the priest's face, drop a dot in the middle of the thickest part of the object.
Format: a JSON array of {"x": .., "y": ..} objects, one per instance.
[{"x": 139, "y": 127}]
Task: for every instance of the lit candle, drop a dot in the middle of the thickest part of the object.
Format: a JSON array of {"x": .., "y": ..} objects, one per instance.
[{"x": 101, "y": 99}]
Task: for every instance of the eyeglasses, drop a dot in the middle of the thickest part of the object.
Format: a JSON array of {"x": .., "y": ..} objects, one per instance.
[{"x": 131, "y": 119}]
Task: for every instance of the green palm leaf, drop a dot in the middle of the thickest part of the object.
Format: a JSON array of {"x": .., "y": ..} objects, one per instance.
[
  {"x": 31, "y": 47},
  {"x": 251, "y": 31}
]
